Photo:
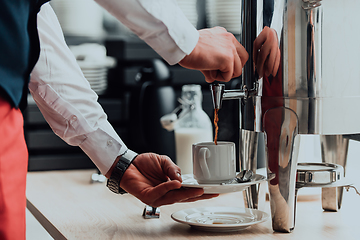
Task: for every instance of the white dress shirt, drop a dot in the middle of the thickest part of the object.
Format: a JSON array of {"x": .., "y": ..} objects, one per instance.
[{"x": 64, "y": 96}]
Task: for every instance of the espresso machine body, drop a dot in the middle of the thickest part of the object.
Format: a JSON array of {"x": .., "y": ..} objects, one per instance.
[
  {"x": 284, "y": 95},
  {"x": 324, "y": 106}
]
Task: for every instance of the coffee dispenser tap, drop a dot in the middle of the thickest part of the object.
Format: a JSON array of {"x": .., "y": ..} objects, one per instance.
[{"x": 218, "y": 94}]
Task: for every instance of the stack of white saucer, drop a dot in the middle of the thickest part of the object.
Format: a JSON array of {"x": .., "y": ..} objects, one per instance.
[
  {"x": 94, "y": 64},
  {"x": 225, "y": 13}
]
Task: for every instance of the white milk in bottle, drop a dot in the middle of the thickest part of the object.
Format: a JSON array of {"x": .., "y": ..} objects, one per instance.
[
  {"x": 193, "y": 126},
  {"x": 184, "y": 138}
]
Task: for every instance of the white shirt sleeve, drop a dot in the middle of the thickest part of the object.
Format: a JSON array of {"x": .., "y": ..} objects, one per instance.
[
  {"x": 160, "y": 23},
  {"x": 66, "y": 100}
]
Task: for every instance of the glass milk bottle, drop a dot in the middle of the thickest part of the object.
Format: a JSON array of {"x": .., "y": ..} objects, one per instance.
[{"x": 193, "y": 126}]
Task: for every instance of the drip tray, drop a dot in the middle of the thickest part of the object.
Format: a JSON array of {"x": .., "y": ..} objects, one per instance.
[{"x": 320, "y": 175}]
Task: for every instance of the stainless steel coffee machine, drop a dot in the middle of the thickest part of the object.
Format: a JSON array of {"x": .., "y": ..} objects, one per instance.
[{"x": 284, "y": 95}]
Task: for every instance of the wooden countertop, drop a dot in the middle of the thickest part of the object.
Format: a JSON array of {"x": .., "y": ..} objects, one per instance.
[{"x": 70, "y": 207}]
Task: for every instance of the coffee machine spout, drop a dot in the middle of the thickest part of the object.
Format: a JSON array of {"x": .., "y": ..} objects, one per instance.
[{"x": 218, "y": 94}]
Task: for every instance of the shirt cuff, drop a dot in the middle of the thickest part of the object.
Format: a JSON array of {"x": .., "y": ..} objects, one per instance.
[
  {"x": 173, "y": 52},
  {"x": 102, "y": 149}
]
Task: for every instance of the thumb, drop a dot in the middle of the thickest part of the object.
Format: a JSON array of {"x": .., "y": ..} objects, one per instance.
[{"x": 170, "y": 168}]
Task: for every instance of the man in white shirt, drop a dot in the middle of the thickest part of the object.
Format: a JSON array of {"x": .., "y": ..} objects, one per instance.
[
  {"x": 70, "y": 106},
  {"x": 61, "y": 95}
]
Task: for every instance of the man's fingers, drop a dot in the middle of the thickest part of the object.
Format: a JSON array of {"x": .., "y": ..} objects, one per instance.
[
  {"x": 241, "y": 52},
  {"x": 240, "y": 58},
  {"x": 202, "y": 197},
  {"x": 207, "y": 75},
  {"x": 277, "y": 63},
  {"x": 225, "y": 76},
  {"x": 237, "y": 67},
  {"x": 263, "y": 56},
  {"x": 178, "y": 195},
  {"x": 225, "y": 72},
  {"x": 162, "y": 189},
  {"x": 271, "y": 61},
  {"x": 217, "y": 75},
  {"x": 259, "y": 41},
  {"x": 210, "y": 75},
  {"x": 170, "y": 169}
]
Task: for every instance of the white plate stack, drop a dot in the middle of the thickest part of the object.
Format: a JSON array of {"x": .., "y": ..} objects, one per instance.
[
  {"x": 224, "y": 13},
  {"x": 79, "y": 17},
  {"x": 189, "y": 9},
  {"x": 94, "y": 64}
]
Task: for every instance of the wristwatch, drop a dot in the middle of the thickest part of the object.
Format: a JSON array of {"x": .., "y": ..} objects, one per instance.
[{"x": 113, "y": 183}]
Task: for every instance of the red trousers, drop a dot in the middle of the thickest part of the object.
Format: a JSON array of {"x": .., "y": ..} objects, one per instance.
[{"x": 13, "y": 169}]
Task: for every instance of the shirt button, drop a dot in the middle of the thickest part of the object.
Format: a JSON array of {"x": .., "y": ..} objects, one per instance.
[
  {"x": 73, "y": 118},
  {"x": 109, "y": 143}
]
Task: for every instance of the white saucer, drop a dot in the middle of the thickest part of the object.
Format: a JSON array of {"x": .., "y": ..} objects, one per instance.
[
  {"x": 189, "y": 181},
  {"x": 220, "y": 219}
]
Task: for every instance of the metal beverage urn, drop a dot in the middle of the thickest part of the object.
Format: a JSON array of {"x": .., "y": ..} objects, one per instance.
[{"x": 284, "y": 95}]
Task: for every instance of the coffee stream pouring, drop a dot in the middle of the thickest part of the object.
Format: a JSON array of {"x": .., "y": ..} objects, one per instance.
[{"x": 287, "y": 96}]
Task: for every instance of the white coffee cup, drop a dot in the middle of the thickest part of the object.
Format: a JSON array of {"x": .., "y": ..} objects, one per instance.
[{"x": 214, "y": 163}]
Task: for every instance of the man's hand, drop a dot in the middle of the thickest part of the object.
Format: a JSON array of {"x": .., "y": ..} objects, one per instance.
[
  {"x": 266, "y": 53},
  {"x": 156, "y": 181},
  {"x": 218, "y": 55}
]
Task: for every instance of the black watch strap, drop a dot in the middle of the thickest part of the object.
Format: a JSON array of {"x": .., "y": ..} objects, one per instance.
[{"x": 113, "y": 183}]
